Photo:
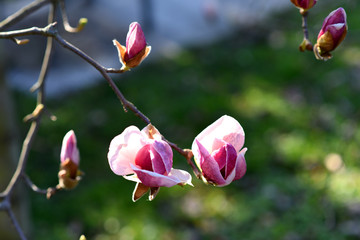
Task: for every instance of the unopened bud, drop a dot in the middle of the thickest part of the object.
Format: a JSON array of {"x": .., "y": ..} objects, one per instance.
[{"x": 332, "y": 33}]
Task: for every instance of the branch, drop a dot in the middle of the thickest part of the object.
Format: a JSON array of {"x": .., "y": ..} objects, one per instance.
[
  {"x": 5, "y": 203},
  {"x": 127, "y": 105},
  {"x": 32, "y": 185},
  {"x": 67, "y": 26},
  {"x": 20, "y": 14},
  {"x": 103, "y": 71},
  {"x": 13, "y": 220},
  {"x": 306, "y": 44},
  {"x": 48, "y": 31},
  {"x": 187, "y": 153},
  {"x": 45, "y": 65}
]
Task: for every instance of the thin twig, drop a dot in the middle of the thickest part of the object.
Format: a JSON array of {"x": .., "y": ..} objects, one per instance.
[
  {"x": 32, "y": 185},
  {"x": 23, "y": 156},
  {"x": 23, "y": 12},
  {"x": 113, "y": 70},
  {"x": 15, "y": 223},
  {"x": 45, "y": 31},
  {"x": 103, "y": 71},
  {"x": 46, "y": 60},
  {"x": 304, "y": 25},
  {"x": 34, "y": 125},
  {"x": 306, "y": 44},
  {"x": 49, "y": 31},
  {"x": 65, "y": 19},
  {"x": 187, "y": 153}
]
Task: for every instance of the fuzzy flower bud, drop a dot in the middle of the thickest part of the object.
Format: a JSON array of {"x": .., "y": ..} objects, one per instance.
[
  {"x": 136, "y": 49},
  {"x": 332, "y": 33},
  {"x": 218, "y": 152}
]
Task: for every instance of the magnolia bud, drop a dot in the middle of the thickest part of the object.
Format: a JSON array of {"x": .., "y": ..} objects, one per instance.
[
  {"x": 304, "y": 5},
  {"x": 69, "y": 174},
  {"x": 332, "y": 33},
  {"x": 136, "y": 50}
]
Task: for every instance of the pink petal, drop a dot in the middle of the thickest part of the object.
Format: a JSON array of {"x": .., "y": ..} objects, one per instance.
[
  {"x": 226, "y": 158},
  {"x": 154, "y": 156},
  {"x": 152, "y": 179},
  {"x": 231, "y": 156},
  {"x": 135, "y": 40},
  {"x": 166, "y": 154},
  {"x": 225, "y": 128},
  {"x": 209, "y": 167},
  {"x": 229, "y": 179},
  {"x": 123, "y": 149},
  {"x": 69, "y": 148},
  {"x": 144, "y": 158},
  {"x": 336, "y": 16},
  {"x": 240, "y": 165},
  {"x": 337, "y": 31},
  {"x": 182, "y": 176}
]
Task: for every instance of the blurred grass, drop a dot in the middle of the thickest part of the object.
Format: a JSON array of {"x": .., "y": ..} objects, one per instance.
[{"x": 300, "y": 117}]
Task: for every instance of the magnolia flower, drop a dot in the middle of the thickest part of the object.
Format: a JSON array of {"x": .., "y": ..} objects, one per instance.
[
  {"x": 304, "y": 5},
  {"x": 69, "y": 174},
  {"x": 218, "y": 152},
  {"x": 332, "y": 33},
  {"x": 143, "y": 157},
  {"x": 136, "y": 49}
]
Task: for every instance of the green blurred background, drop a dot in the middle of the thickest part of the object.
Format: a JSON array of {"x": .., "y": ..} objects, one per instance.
[{"x": 300, "y": 118}]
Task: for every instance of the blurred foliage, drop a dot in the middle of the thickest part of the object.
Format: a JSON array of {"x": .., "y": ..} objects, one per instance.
[{"x": 300, "y": 117}]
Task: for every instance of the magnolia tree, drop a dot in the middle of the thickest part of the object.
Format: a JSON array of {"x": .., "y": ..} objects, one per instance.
[{"x": 144, "y": 156}]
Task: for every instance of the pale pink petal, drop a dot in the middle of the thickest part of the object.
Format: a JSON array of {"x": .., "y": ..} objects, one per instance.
[
  {"x": 132, "y": 177},
  {"x": 152, "y": 132},
  {"x": 183, "y": 176},
  {"x": 225, "y": 128},
  {"x": 123, "y": 149},
  {"x": 208, "y": 165},
  {"x": 69, "y": 148},
  {"x": 217, "y": 144},
  {"x": 152, "y": 179},
  {"x": 240, "y": 164}
]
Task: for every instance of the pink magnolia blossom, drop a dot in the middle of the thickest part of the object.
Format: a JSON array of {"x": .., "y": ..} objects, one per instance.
[
  {"x": 218, "y": 151},
  {"x": 332, "y": 33},
  {"x": 69, "y": 148},
  {"x": 304, "y": 4},
  {"x": 136, "y": 49},
  {"x": 143, "y": 157}
]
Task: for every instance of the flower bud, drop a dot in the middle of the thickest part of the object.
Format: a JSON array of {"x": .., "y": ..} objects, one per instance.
[
  {"x": 304, "y": 5},
  {"x": 218, "y": 152},
  {"x": 332, "y": 33},
  {"x": 69, "y": 174},
  {"x": 69, "y": 148},
  {"x": 136, "y": 49}
]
